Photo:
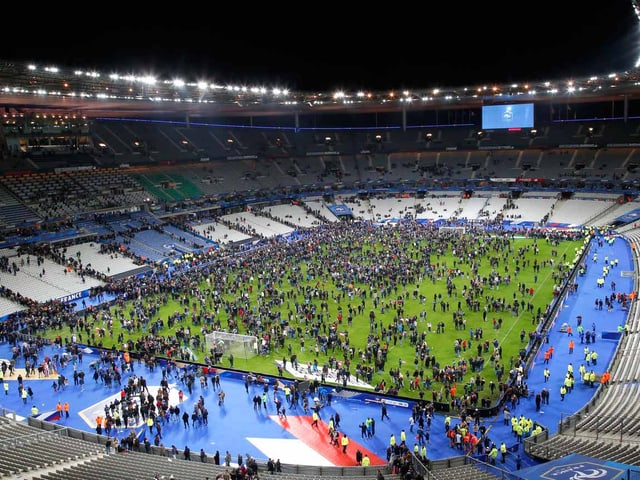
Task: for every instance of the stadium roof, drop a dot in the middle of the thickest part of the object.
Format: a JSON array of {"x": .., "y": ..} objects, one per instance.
[{"x": 29, "y": 87}]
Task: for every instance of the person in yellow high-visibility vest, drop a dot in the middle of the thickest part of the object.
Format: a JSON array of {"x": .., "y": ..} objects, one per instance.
[
  {"x": 366, "y": 461},
  {"x": 503, "y": 452},
  {"x": 34, "y": 411},
  {"x": 493, "y": 454},
  {"x": 345, "y": 442}
]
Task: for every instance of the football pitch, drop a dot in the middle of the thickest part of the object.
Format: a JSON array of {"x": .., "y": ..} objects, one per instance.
[{"x": 409, "y": 309}]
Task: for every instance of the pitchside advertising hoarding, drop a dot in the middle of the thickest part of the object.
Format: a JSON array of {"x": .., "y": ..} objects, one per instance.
[{"x": 72, "y": 297}]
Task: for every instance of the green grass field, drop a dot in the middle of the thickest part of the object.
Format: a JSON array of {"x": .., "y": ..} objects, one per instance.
[{"x": 399, "y": 276}]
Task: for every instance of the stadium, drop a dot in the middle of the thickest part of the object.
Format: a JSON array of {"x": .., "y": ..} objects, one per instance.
[{"x": 116, "y": 190}]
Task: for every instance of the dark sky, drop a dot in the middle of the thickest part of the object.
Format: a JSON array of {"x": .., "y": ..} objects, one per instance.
[{"x": 395, "y": 46}]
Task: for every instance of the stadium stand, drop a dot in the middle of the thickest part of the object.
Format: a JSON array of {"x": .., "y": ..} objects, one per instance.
[
  {"x": 605, "y": 427},
  {"x": 133, "y": 194}
]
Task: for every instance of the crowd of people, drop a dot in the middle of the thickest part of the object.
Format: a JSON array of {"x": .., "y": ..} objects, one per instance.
[
  {"x": 365, "y": 270},
  {"x": 215, "y": 291}
]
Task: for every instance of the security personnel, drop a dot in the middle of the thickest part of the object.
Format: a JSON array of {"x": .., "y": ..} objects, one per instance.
[
  {"x": 503, "y": 452},
  {"x": 587, "y": 354},
  {"x": 567, "y": 383},
  {"x": 517, "y": 428},
  {"x": 34, "y": 411},
  {"x": 287, "y": 394},
  {"x": 345, "y": 442},
  {"x": 493, "y": 454}
]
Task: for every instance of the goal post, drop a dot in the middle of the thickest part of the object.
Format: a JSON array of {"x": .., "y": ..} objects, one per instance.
[
  {"x": 221, "y": 344},
  {"x": 456, "y": 231}
]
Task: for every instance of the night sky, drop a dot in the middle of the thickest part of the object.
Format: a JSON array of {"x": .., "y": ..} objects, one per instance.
[{"x": 400, "y": 46}]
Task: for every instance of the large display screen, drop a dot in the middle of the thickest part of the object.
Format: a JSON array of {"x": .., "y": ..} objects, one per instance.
[{"x": 516, "y": 115}]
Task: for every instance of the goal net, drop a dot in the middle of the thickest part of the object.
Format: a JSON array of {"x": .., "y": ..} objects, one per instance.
[
  {"x": 221, "y": 344},
  {"x": 452, "y": 231}
]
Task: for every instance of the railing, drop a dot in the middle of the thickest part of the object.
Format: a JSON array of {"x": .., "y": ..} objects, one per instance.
[
  {"x": 530, "y": 442},
  {"x": 611, "y": 428},
  {"x": 311, "y": 470},
  {"x": 16, "y": 442},
  {"x": 452, "y": 462},
  {"x": 6, "y": 412}
]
